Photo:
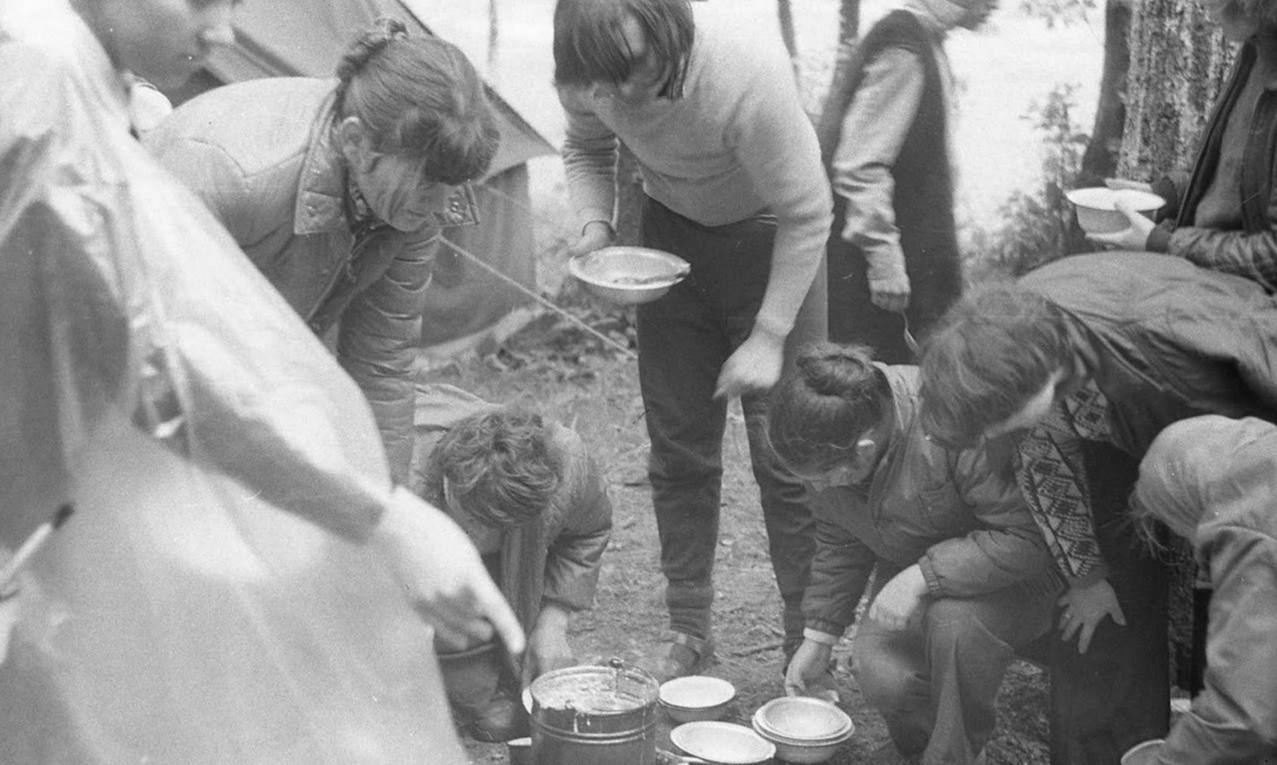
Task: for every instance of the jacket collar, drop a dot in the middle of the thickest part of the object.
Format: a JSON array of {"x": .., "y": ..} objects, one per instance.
[
  {"x": 321, "y": 189},
  {"x": 903, "y": 380}
]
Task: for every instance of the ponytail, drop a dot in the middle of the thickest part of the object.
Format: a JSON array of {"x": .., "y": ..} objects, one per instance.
[
  {"x": 825, "y": 403},
  {"x": 418, "y": 96}
]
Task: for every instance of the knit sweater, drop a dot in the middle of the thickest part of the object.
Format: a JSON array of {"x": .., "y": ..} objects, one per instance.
[{"x": 736, "y": 145}]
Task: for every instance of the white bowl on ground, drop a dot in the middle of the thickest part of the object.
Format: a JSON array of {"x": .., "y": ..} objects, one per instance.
[
  {"x": 1097, "y": 211},
  {"x": 803, "y": 729},
  {"x": 722, "y": 743},
  {"x": 629, "y": 275},
  {"x": 696, "y": 697}
]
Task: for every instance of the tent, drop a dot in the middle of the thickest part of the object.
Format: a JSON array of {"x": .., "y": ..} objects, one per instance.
[{"x": 465, "y": 303}]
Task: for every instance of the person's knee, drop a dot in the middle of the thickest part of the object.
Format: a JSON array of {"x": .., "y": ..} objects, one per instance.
[
  {"x": 883, "y": 676},
  {"x": 954, "y": 629}
]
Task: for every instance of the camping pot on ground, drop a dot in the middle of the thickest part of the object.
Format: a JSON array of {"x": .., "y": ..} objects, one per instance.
[{"x": 594, "y": 715}]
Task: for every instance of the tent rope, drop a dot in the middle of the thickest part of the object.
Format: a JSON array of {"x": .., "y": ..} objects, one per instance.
[{"x": 538, "y": 298}]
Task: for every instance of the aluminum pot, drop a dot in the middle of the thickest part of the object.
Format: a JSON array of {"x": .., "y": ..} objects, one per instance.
[{"x": 595, "y": 715}]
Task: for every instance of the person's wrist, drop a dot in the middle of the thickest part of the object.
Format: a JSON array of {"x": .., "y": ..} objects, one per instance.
[
  {"x": 553, "y": 616},
  {"x": 770, "y": 328}
]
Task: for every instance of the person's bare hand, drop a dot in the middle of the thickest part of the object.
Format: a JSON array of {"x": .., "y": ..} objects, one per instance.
[
  {"x": 754, "y": 367},
  {"x": 1133, "y": 237},
  {"x": 442, "y": 574},
  {"x": 1084, "y": 607},
  {"x": 548, "y": 647},
  {"x": 901, "y": 601},
  {"x": 891, "y": 294},
  {"x": 596, "y": 235},
  {"x": 807, "y": 667}
]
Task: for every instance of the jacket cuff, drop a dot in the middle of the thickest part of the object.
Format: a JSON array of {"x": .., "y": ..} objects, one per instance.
[
  {"x": 824, "y": 627},
  {"x": 929, "y": 575},
  {"x": 1159, "y": 240},
  {"x": 820, "y": 636}
]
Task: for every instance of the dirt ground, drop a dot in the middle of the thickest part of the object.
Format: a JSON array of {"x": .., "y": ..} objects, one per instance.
[{"x": 567, "y": 376}]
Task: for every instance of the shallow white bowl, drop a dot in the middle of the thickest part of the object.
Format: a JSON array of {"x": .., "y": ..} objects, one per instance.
[
  {"x": 723, "y": 743},
  {"x": 696, "y": 697},
  {"x": 628, "y": 275},
  {"x": 803, "y": 719},
  {"x": 791, "y": 750},
  {"x": 1097, "y": 212}
]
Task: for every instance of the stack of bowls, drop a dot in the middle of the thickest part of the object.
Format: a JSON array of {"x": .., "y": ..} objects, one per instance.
[
  {"x": 803, "y": 729},
  {"x": 696, "y": 697}
]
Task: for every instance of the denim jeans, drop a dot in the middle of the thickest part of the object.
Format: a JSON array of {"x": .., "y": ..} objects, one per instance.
[
  {"x": 1117, "y": 694},
  {"x": 684, "y": 339},
  {"x": 935, "y": 685}
]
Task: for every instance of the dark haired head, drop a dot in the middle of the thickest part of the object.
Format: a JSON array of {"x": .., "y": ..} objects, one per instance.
[
  {"x": 590, "y": 45},
  {"x": 499, "y": 467},
  {"x": 816, "y": 413},
  {"x": 419, "y": 97},
  {"x": 992, "y": 352}
]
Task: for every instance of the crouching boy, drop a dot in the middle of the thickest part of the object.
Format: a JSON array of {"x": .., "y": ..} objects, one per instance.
[
  {"x": 961, "y": 572},
  {"x": 534, "y": 503}
]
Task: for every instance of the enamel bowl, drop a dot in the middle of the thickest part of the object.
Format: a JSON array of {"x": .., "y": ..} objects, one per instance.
[
  {"x": 1097, "y": 212},
  {"x": 628, "y": 275},
  {"x": 722, "y": 743},
  {"x": 803, "y": 729},
  {"x": 696, "y": 697}
]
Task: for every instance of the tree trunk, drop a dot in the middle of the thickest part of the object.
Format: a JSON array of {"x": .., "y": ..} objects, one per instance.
[
  {"x": 1099, "y": 161},
  {"x": 786, "y": 14},
  {"x": 848, "y": 21},
  {"x": 1179, "y": 60},
  {"x": 493, "y": 36}
]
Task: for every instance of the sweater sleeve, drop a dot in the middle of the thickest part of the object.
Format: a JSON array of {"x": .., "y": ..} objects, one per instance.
[
  {"x": 873, "y": 132},
  {"x": 1007, "y": 549},
  {"x": 589, "y": 160},
  {"x": 775, "y": 142}
]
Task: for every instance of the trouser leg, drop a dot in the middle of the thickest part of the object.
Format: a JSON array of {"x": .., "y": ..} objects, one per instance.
[
  {"x": 936, "y": 686},
  {"x": 891, "y": 670},
  {"x": 1117, "y": 693},
  {"x": 791, "y": 530},
  {"x": 684, "y": 339},
  {"x": 678, "y": 364}
]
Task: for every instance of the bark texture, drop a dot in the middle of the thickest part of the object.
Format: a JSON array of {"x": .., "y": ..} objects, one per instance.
[{"x": 1179, "y": 60}]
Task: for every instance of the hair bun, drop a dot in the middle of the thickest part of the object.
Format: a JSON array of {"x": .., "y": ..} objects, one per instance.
[{"x": 380, "y": 34}]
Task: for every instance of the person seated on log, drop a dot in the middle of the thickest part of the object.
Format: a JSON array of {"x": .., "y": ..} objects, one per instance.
[
  {"x": 1223, "y": 214},
  {"x": 962, "y": 576},
  {"x": 1102, "y": 349},
  {"x": 1213, "y": 480},
  {"x": 534, "y": 502}
]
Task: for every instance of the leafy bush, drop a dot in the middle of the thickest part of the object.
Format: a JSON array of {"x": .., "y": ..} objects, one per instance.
[{"x": 1037, "y": 227}]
